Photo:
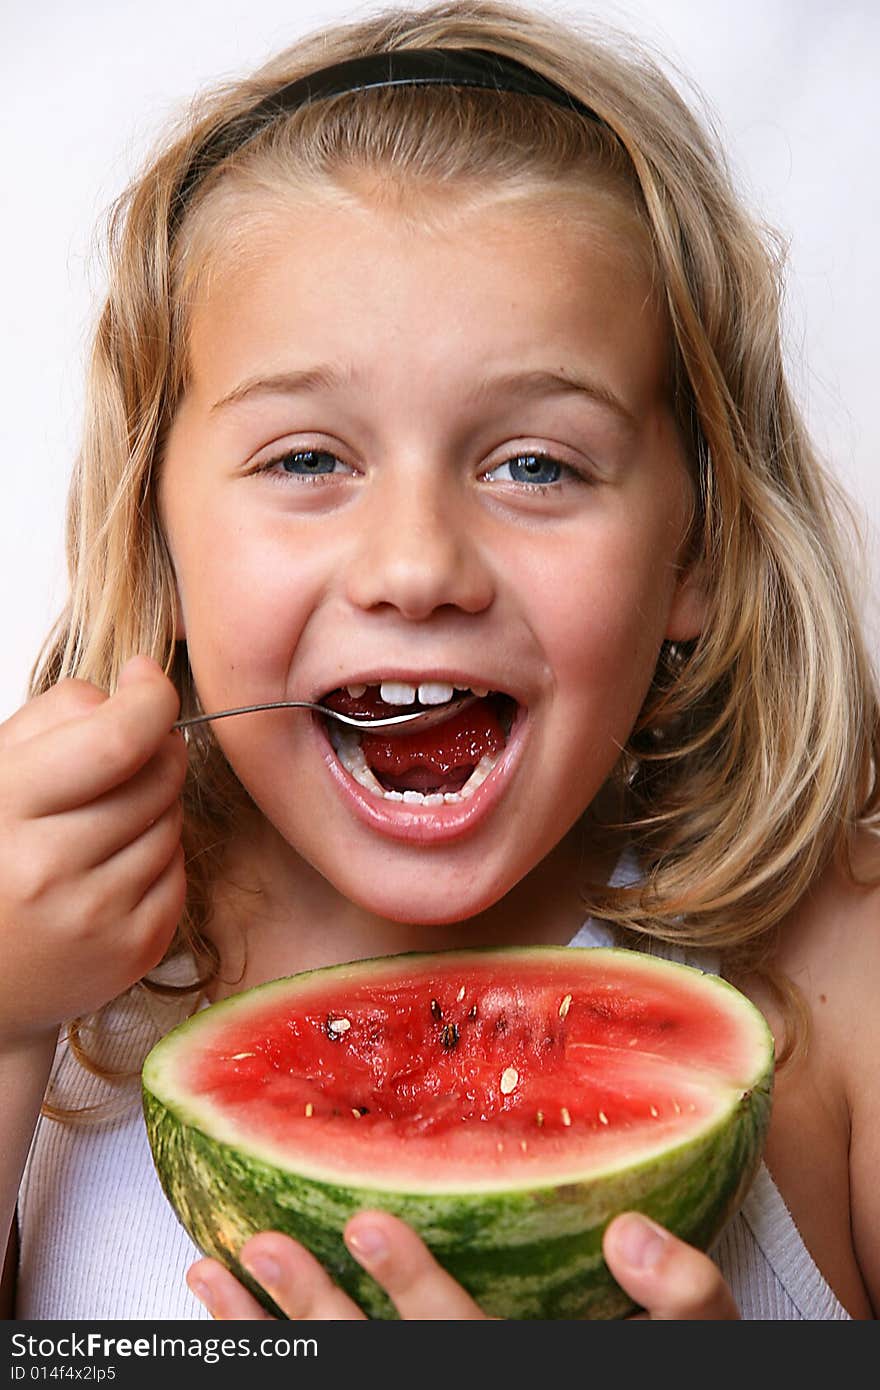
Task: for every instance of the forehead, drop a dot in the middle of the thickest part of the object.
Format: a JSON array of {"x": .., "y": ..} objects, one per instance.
[{"x": 452, "y": 279}]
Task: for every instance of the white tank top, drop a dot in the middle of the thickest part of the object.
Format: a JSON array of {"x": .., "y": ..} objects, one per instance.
[{"x": 99, "y": 1239}]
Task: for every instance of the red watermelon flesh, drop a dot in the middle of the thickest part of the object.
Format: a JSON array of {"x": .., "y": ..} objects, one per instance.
[
  {"x": 507, "y": 1103},
  {"x": 465, "y": 1075}
]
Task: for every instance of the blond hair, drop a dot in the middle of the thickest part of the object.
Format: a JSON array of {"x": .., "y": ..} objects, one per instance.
[{"x": 752, "y": 763}]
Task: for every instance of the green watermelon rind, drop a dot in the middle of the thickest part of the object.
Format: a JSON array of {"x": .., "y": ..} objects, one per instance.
[{"x": 523, "y": 1253}]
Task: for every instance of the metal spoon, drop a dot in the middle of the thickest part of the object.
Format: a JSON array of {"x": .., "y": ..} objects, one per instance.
[{"x": 426, "y": 717}]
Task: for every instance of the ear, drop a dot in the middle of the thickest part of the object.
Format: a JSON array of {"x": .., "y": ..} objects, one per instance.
[{"x": 689, "y": 605}]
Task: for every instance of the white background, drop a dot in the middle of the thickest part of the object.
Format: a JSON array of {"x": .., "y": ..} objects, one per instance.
[{"x": 86, "y": 87}]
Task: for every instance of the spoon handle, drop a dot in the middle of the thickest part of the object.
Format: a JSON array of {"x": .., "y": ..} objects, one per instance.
[{"x": 427, "y": 716}]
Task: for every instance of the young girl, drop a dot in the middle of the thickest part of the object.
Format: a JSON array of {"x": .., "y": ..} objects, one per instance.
[{"x": 419, "y": 372}]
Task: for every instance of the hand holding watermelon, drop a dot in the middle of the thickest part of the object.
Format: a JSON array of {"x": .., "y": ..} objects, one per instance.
[
  {"x": 91, "y": 866},
  {"x": 669, "y": 1279}
]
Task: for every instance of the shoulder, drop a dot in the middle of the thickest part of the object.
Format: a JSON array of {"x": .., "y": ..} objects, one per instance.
[{"x": 830, "y": 948}]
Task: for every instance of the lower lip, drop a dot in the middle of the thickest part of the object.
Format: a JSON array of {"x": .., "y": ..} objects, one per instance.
[{"x": 426, "y": 825}]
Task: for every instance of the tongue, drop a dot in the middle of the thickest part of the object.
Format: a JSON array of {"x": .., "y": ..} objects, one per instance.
[
  {"x": 440, "y": 758},
  {"x": 444, "y": 754}
]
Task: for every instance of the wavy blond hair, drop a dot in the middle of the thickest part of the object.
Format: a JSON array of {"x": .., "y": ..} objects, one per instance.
[{"x": 753, "y": 761}]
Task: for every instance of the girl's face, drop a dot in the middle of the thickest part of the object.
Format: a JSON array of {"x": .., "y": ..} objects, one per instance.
[{"x": 441, "y": 456}]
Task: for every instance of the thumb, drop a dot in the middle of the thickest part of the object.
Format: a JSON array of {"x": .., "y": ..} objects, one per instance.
[
  {"x": 669, "y": 1279},
  {"x": 138, "y": 668}
]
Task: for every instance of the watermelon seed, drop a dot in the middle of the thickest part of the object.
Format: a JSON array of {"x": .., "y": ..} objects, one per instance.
[
  {"x": 676, "y": 1107},
  {"x": 472, "y": 1012},
  {"x": 359, "y": 1111},
  {"x": 566, "y": 1118},
  {"x": 654, "y": 1111},
  {"x": 449, "y": 1036},
  {"x": 540, "y": 1118},
  {"x": 460, "y": 995},
  {"x": 603, "y": 1118},
  {"x": 523, "y": 1145},
  {"x": 509, "y": 1078},
  {"x": 238, "y": 1056},
  {"x": 309, "y": 1108},
  {"x": 436, "y": 1011},
  {"x": 565, "y": 1006},
  {"x": 336, "y": 1027}
]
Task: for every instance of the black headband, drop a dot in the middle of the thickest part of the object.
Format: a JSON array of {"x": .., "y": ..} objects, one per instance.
[{"x": 448, "y": 67}]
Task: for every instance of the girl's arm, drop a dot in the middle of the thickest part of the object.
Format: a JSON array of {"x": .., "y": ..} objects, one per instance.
[
  {"x": 8, "y": 1278},
  {"x": 861, "y": 1044},
  {"x": 24, "y": 1074},
  {"x": 92, "y": 880}
]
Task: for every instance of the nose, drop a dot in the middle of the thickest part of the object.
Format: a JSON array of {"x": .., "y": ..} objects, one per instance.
[{"x": 419, "y": 546}]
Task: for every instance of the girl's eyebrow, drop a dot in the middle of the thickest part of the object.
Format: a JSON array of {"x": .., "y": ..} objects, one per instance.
[{"x": 531, "y": 383}]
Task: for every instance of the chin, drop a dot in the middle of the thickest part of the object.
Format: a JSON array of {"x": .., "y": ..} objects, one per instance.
[{"x": 435, "y": 908}]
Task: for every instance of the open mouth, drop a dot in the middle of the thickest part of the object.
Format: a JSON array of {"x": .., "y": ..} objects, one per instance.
[{"x": 443, "y": 764}]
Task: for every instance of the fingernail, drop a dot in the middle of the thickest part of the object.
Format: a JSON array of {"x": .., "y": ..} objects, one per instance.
[
  {"x": 202, "y": 1292},
  {"x": 264, "y": 1269},
  {"x": 368, "y": 1243},
  {"x": 135, "y": 666},
  {"x": 639, "y": 1241}
]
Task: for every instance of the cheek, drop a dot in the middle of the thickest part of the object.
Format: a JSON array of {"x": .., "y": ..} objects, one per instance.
[
  {"x": 604, "y": 630},
  {"x": 246, "y": 595}
]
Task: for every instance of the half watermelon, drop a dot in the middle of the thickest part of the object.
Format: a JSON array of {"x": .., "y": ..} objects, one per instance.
[{"x": 507, "y": 1103}]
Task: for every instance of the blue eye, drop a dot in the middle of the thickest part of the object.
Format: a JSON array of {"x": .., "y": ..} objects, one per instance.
[
  {"x": 532, "y": 468},
  {"x": 536, "y": 473},
  {"x": 303, "y": 463}
]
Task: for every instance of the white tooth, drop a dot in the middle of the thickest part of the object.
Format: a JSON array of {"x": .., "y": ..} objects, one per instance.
[
  {"x": 435, "y": 692},
  {"x": 414, "y": 797},
  {"x": 397, "y": 693},
  {"x": 356, "y": 690},
  {"x": 479, "y": 774},
  {"x": 481, "y": 690},
  {"x": 343, "y": 737}
]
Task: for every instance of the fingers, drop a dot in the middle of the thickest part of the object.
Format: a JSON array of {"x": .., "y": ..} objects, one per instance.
[
  {"x": 118, "y": 886},
  {"x": 669, "y": 1279},
  {"x": 69, "y": 699},
  {"x": 102, "y": 828},
  {"x": 387, "y": 1249},
  {"x": 398, "y": 1260},
  {"x": 92, "y": 875},
  {"x": 224, "y": 1297},
  {"x": 297, "y": 1283},
  {"x": 153, "y": 920},
  {"x": 92, "y": 744}
]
